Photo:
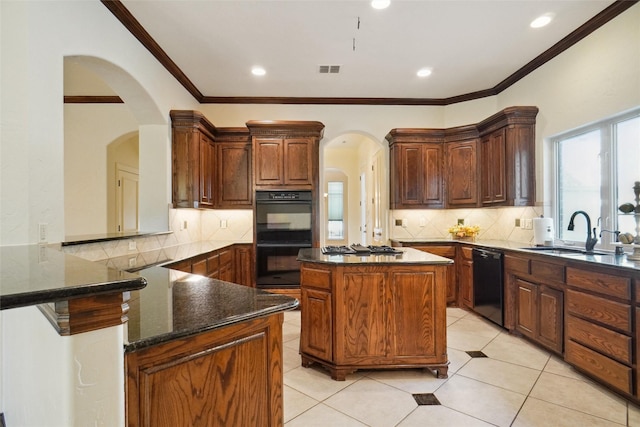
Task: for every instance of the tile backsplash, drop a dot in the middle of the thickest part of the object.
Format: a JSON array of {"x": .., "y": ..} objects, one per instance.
[
  {"x": 187, "y": 226},
  {"x": 495, "y": 223}
]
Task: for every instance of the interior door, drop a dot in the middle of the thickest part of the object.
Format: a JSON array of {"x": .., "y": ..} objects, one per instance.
[{"x": 126, "y": 199}]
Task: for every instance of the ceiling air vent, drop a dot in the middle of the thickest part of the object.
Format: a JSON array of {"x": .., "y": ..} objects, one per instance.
[{"x": 328, "y": 69}]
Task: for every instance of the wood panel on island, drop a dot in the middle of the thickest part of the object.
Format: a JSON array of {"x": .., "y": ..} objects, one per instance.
[{"x": 491, "y": 163}]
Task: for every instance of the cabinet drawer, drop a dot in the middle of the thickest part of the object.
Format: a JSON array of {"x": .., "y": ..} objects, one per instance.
[
  {"x": 213, "y": 261},
  {"x": 603, "y": 340},
  {"x": 199, "y": 267},
  {"x": 517, "y": 264},
  {"x": 547, "y": 271},
  {"x": 616, "y": 286},
  {"x": 611, "y": 372},
  {"x": 467, "y": 252},
  {"x": 226, "y": 256},
  {"x": 610, "y": 313},
  {"x": 316, "y": 278}
]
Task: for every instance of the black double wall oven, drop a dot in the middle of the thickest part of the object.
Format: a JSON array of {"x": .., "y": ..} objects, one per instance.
[{"x": 283, "y": 224}]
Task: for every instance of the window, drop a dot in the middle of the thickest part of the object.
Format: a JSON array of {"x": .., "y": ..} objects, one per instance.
[
  {"x": 335, "y": 210},
  {"x": 596, "y": 168}
]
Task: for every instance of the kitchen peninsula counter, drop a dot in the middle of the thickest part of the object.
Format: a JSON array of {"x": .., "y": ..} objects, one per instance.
[{"x": 373, "y": 311}]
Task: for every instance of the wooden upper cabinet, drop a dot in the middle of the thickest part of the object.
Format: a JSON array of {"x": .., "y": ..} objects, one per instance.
[
  {"x": 416, "y": 161},
  {"x": 508, "y": 157},
  {"x": 285, "y": 153},
  {"x": 234, "y": 178},
  {"x": 193, "y": 156},
  {"x": 462, "y": 167},
  {"x": 211, "y": 166},
  {"x": 492, "y": 167}
]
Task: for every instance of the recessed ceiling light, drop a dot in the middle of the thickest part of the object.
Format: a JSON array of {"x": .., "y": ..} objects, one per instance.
[
  {"x": 258, "y": 71},
  {"x": 541, "y": 21},
  {"x": 380, "y": 4},
  {"x": 424, "y": 72}
]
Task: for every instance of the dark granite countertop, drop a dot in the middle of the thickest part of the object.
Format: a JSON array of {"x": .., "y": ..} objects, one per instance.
[
  {"x": 408, "y": 256},
  {"x": 176, "y": 304},
  {"x": 600, "y": 257},
  {"x": 35, "y": 274}
]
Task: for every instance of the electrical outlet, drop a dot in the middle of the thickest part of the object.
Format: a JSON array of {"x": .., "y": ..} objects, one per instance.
[
  {"x": 460, "y": 221},
  {"x": 404, "y": 222},
  {"x": 132, "y": 262},
  {"x": 132, "y": 245},
  {"x": 528, "y": 224},
  {"x": 423, "y": 221},
  {"x": 43, "y": 233},
  {"x": 398, "y": 223},
  {"x": 223, "y": 223},
  {"x": 517, "y": 222}
]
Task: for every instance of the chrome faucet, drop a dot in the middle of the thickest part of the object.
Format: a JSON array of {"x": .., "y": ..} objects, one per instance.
[{"x": 591, "y": 241}]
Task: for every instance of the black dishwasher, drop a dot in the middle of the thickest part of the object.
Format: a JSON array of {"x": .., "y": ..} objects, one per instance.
[{"x": 487, "y": 284}]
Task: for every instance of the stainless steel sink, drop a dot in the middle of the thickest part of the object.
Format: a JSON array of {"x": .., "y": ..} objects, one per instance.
[{"x": 562, "y": 251}]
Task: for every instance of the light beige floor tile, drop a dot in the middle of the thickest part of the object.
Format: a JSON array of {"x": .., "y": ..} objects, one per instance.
[
  {"x": 560, "y": 367},
  {"x": 440, "y": 416},
  {"x": 290, "y": 359},
  {"x": 292, "y": 317},
  {"x": 295, "y": 403},
  {"x": 373, "y": 403},
  {"x": 509, "y": 348},
  {"x": 476, "y": 325},
  {"x": 456, "y": 312},
  {"x": 486, "y": 402},
  {"x": 293, "y": 343},
  {"x": 633, "y": 419},
  {"x": 457, "y": 359},
  {"x": 290, "y": 331},
  {"x": 501, "y": 374},
  {"x": 409, "y": 380},
  {"x": 536, "y": 413},
  {"x": 465, "y": 341},
  {"x": 323, "y": 416},
  {"x": 315, "y": 382},
  {"x": 582, "y": 396}
]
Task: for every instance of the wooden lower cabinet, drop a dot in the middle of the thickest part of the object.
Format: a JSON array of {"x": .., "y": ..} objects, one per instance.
[
  {"x": 465, "y": 277},
  {"x": 366, "y": 317},
  {"x": 230, "y": 376},
  {"x": 539, "y": 314},
  {"x": 232, "y": 264}
]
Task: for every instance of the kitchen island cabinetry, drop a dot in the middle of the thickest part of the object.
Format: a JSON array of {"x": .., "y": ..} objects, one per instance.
[
  {"x": 379, "y": 311},
  {"x": 286, "y": 154}
]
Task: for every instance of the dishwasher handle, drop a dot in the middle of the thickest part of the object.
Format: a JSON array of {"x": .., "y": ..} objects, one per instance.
[{"x": 484, "y": 253}]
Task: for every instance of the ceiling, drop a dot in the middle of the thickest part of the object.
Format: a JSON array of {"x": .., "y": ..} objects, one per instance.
[{"x": 474, "y": 48}]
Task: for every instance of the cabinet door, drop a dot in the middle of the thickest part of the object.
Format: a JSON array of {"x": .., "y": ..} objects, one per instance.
[
  {"x": 244, "y": 265},
  {"x": 234, "y": 187},
  {"x": 316, "y": 321},
  {"x": 410, "y": 168},
  {"x": 269, "y": 161},
  {"x": 492, "y": 167},
  {"x": 465, "y": 277},
  {"x": 462, "y": 173},
  {"x": 185, "y": 154},
  {"x": 520, "y": 165},
  {"x": 298, "y": 164},
  {"x": 433, "y": 192},
  {"x": 360, "y": 322},
  {"x": 207, "y": 163},
  {"x": 550, "y": 313},
  {"x": 526, "y": 308}
]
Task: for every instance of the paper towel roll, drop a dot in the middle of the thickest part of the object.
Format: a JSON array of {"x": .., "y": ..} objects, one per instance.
[{"x": 543, "y": 231}]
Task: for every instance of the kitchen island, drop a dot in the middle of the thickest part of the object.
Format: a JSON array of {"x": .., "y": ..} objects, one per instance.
[{"x": 375, "y": 311}]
